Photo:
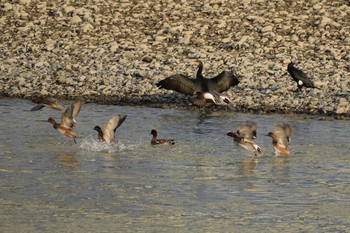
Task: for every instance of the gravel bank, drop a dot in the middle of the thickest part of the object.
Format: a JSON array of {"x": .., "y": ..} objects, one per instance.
[{"x": 115, "y": 51}]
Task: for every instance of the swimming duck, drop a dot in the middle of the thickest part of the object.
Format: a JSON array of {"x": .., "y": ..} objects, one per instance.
[
  {"x": 156, "y": 141},
  {"x": 299, "y": 76},
  {"x": 46, "y": 102},
  {"x": 188, "y": 86},
  {"x": 280, "y": 138},
  {"x": 107, "y": 133},
  {"x": 245, "y": 137},
  {"x": 214, "y": 97},
  {"x": 68, "y": 121}
]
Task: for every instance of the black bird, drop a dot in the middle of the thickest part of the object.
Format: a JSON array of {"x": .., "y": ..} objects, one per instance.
[
  {"x": 200, "y": 84},
  {"x": 299, "y": 76}
]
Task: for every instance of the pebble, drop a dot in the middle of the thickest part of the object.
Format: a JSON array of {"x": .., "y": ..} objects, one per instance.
[{"x": 122, "y": 49}]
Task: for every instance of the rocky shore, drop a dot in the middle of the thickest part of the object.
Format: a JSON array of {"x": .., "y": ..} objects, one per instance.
[{"x": 115, "y": 51}]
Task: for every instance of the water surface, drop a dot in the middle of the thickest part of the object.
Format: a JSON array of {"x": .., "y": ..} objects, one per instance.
[{"x": 204, "y": 183}]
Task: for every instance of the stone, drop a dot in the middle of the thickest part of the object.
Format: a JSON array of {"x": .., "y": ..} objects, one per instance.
[
  {"x": 75, "y": 19},
  {"x": 266, "y": 29}
]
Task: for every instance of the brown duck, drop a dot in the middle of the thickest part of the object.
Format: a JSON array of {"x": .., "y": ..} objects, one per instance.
[
  {"x": 68, "y": 121},
  {"x": 42, "y": 102},
  {"x": 156, "y": 141},
  {"x": 107, "y": 133},
  {"x": 280, "y": 138},
  {"x": 245, "y": 137}
]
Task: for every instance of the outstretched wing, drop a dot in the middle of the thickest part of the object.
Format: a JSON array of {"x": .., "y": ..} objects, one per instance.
[
  {"x": 281, "y": 137},
  {"x": 222, "y": 82},
  {"x": 44, "y": 100},
  {"x": 37, "y": 107},
  {"x": 67, "y": 121},
  {"x": 247, "y": 131},
  {"x": 111, "y": 126},
  {"x": 180, "y": 83},
  {"x": 287, "y": 131},
  {"x": 71, "y": 113},
  {"x": 75, "y": 108}
]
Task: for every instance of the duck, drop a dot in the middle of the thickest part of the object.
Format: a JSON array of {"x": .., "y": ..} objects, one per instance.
[
  {"x": 214, "y": 97},
  {"x": 281, "y": 138},
  {"x": 107, "y": 133},
  {"x": 299, "y": 76},
  {"x": 48, "y": 102},
  {"x": 155, "y": 141},
  {"x": 68, "y": 121},
  {"x": 185, "y": 85},
  {"x": 245, "y": 137}
]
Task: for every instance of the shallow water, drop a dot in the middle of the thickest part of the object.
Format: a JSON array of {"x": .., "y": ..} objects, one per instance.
[{"x": 204, "y": 183}]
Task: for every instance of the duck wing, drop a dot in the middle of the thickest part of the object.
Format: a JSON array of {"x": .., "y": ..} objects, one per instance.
[
  {"x": 44, "y": 100},
  {"x": 75, "y": 109},
  {"x": 70, "y": 114},
  {"x": 37, "y": 107},
  {"x": 180, "y": 83},
  {"x": 222, "y": 82},
  {"x": 287, "y": 131},
  {"x": 67, "y": 121},
  {"x": 281, "y": 138},
  {"x": 200, "y": 100},
  {"x": 110, "y": 127},
  {"x": 247, "y": 131}
]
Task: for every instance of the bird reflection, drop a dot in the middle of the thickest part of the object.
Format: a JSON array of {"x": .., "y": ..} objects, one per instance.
[
  {"x": 247, "y": 166},
  {"x": 68, "y": 159},
  {"x": 281, "y": 167}
]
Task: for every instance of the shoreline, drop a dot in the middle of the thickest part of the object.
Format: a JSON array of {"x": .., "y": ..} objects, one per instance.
[
  {"x": 115, "y": 52},
  {"x": 185, "y": 104}
]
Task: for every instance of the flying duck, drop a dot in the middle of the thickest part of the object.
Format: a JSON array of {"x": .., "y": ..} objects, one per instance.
[
  {"x": 42, "y": 102},
  {"x": 107, "y": 133},
  {"x": 299, "y": 76},
  {"x": 245, "y": 136},
  {"x": 68, "y": 121},
  {"x": 156, "y": 141},
  {"x": 280, "y": 139},
  {"x": 188, "y": 86}
]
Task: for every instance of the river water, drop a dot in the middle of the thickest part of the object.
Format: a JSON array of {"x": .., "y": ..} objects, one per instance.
[{"x": 204, "y": 183}]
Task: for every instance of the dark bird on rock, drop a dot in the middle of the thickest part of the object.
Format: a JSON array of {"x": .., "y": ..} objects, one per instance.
[
  {"x": 107, "y": 133},
  {"x": 200, "y": 84},
  {"x": 299, "y": 76}
]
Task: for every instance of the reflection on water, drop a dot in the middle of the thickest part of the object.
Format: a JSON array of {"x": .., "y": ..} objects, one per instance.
[{"x": 205, "y": 183}]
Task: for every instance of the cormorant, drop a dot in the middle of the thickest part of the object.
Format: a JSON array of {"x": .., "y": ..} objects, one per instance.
[
  {"x": 299, "y": 76},
  {"x": 200, "y": 84}
]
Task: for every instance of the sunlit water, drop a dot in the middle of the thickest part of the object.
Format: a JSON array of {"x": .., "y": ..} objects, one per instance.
[{"x": 204, "y": 183}]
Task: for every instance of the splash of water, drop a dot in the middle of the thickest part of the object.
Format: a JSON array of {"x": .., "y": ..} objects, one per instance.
[{"x": 91, "y": 144}]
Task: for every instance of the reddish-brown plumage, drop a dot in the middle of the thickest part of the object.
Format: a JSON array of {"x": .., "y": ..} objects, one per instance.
[
  {"x": 280, "y": 138},
  {"x": 68, "y": 121}
]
